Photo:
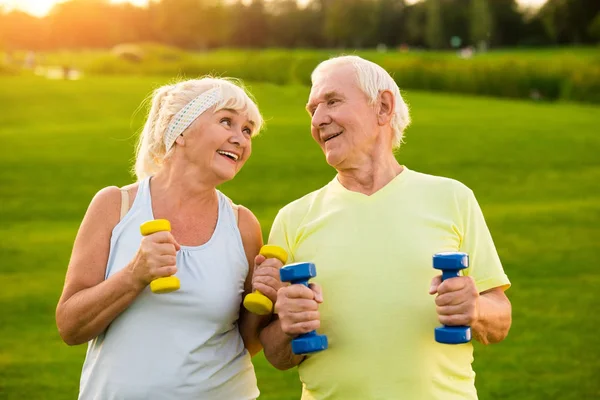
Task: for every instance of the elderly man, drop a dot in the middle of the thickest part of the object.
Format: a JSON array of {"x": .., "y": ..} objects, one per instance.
[{"x": 372, "y": 232}]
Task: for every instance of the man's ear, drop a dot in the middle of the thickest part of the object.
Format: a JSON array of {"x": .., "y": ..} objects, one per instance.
[{"x": 386, "y": 105}]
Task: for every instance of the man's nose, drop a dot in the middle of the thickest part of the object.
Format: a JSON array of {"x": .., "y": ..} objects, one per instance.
[{"x": 320, "y": 117}]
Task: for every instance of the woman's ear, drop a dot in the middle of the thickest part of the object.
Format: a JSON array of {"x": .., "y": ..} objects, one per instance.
[
  {"x": 180, "y": 140},
  {"x": 386, "y": 106}
]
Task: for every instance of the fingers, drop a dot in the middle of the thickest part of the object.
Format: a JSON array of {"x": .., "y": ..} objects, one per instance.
[
  {"x": 163, "y": 237},
  {"x": 297, "y": 306},
  {"x": 265, "y": 277},
  {"x": 266, "y": 285},
  {"x": 450, "y": 299},
  {"x": 465, "y": 319},
  {"x": 456, "y": 303},
  {"x": 164, "y": 249},
  {"x": 299, "y": 328},
  {"x": 166, "y": 260},
  {"x": 162, "y": 272},
  {"x": 318, "y": 292},
  {"x": 456, "y": 284},
  {"x": 156, "y": 257},
  {"x": 272, "y": 263},
  {"x": 302, "y": 305},
  {"x": 435, "y": 283},
  {"x": 451, "y": 309},
  {"x": 297, "y": 292},
  {"x": 259, "y": 259}
]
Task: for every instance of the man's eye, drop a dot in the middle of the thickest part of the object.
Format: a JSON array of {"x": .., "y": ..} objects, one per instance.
[
  {"x": 247, "y": 131},
  {"x": 226, "y": 121},
  {"x": 332, "y": 102}
]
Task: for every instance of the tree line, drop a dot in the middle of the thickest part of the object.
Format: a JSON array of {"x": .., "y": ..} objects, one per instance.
[{"x": 206, "y": 24}]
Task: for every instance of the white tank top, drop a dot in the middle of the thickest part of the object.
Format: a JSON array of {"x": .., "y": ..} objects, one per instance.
[{"x": 179, "y": 345}]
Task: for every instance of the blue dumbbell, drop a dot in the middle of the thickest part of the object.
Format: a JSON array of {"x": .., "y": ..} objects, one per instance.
[
  {"x": 300, "y": 273},
  {"x": 451, "y": 263}
]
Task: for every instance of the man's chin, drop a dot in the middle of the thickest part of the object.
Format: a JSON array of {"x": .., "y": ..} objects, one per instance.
[{"x": 333, "y": 158}]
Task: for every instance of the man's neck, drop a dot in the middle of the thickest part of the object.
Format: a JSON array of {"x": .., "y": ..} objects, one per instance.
[{"x": 370, "y": 175}]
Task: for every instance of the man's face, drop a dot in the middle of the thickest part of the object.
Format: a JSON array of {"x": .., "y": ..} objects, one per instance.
[{"x": 343, "y": 123}]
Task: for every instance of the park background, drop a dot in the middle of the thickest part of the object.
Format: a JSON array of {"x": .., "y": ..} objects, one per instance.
[{"x": 504, "y": 96}]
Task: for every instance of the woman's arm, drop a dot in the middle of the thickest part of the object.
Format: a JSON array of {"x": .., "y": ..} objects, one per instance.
[
  {"x": 89, "y": 303},
  {"x": 250, "y": 325}
]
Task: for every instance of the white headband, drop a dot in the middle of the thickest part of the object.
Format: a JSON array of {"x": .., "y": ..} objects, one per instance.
[{"x": 188, "y": 114}]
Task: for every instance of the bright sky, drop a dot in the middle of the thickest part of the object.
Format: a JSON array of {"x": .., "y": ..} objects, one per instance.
[{"x": 42, "y": 7}]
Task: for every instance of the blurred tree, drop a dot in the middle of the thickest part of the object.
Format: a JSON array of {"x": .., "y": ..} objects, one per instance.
[
  {"x": 434, "y": 29},
  {"x": 250, "y": 24},
  {"x": 391, "y": 21},
  {"x": 201, "y": 24},
  {"x": 22, "y": 31},
  {"x": 415, "y": 21},
  {"x": 285, "y": 24},
  {"x": 480, "y": 22},
  {"x": 456, "y": 15},
  {"x": 351, "y": 23},
  {"x": 507, "y": 22},
  {"x": 82, "y": 23},
  {"x": 568, "y": 21},
  {"x": 131, "y": 24},
  {"x": 594, "y": 28}
]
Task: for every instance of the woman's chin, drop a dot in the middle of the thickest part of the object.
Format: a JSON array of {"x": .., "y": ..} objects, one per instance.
[{"x": 225, "y": 174}]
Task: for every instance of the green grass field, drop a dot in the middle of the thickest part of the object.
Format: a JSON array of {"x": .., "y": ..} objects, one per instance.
[{"x": 534, "y": 167}]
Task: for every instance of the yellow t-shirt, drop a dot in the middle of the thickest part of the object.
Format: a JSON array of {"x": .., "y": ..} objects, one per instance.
[{"x": 374, "y": 262}]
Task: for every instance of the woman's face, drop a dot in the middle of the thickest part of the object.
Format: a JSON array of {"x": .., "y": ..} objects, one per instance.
[{"x": 219, "y": 143}]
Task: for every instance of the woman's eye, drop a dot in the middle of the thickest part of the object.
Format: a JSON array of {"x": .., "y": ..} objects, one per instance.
[
  {"x": 226, "y": 121},
  {"x": 247, "y": 131}
]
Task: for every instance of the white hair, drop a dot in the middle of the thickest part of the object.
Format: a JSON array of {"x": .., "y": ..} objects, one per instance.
[
  {"x": 167, "y": 100},
  {"x": 372, "y": 80}
]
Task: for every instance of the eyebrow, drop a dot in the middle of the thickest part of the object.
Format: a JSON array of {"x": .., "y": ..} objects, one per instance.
[
  {"x": 327, "y": 96},
  {"x": 236, "y": 112}
]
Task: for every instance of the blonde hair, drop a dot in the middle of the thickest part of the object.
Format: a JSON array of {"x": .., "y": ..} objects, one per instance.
[
  {"x": 372, "y": 80},
  {"x": 167, "y": 100}
]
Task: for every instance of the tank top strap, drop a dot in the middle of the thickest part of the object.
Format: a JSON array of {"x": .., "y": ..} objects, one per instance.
[{"x": 229, "y": 219}]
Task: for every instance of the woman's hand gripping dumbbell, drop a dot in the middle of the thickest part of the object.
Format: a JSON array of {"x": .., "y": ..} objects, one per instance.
[
  {"x": 265, "y": 280},
  {"x": 154, "y": 262}
]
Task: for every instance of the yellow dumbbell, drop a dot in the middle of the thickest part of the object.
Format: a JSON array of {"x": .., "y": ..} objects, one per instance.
[
  {"x": 168, "y": 283},
  {"x": 256, "y": 302}
]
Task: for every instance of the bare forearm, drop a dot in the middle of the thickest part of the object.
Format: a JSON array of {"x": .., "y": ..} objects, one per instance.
[
  {"x": 88, "y": 312},
  {"x": 494, "y": 318},
  {"x": 250, "y": 327},
  {"x": 278, "y": 347}
]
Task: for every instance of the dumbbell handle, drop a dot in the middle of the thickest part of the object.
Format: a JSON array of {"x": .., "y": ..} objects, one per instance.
[
  {"x": 168, "y": 283},
  {"x": 450, "y": 273}
]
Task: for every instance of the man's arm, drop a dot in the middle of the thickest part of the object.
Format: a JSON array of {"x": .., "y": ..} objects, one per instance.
[
  {"x": 494, "y": 317},
  {"x": 278, "y": 346},
  {"x": 298, "y": 313},
  {"x": 459, "y": 303}
]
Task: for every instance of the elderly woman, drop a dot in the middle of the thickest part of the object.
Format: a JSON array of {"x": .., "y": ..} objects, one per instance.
[{"x": 194, "y": 342}]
